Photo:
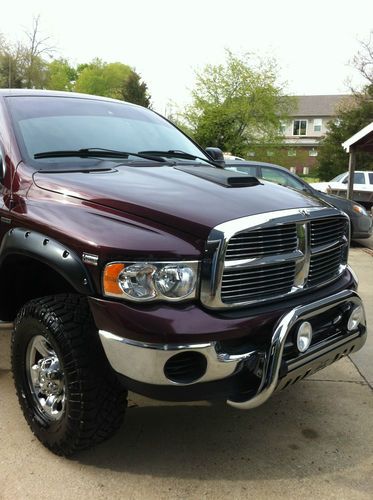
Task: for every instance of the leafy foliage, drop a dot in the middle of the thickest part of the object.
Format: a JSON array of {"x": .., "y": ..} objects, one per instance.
[
  {"x": 101, "y": 78},
  {"x": 332, "y": 159},
  {"x": 61, "y": 76},
  {"x": 25, "y": 65},
  {"x": 136, "y": 91},
  {"x": 237, "y": 106}
]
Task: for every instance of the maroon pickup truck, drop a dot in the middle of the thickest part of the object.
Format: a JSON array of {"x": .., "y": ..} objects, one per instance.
[{"x": 131, "y": 260}]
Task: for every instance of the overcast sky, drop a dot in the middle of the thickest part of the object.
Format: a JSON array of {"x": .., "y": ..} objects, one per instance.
[{"x": 166, "y": 40}]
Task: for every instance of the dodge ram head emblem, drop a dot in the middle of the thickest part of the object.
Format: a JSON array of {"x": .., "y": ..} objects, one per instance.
[{"x": 305, "y": 212}]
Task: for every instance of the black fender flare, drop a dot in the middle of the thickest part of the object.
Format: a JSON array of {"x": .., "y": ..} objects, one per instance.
[{"x": 19, "y": 241}]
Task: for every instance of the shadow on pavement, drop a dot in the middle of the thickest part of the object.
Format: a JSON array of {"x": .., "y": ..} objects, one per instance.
[{"x": 310, "y": 429}]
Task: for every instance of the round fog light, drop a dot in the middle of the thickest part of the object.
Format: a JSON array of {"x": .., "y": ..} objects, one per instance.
[
  {"x": 304, "y": 336},
  {"x": 355, "y": 318}
]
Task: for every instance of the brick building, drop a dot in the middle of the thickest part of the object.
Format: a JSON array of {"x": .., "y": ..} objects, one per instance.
[{"x": 307, "y": 125}]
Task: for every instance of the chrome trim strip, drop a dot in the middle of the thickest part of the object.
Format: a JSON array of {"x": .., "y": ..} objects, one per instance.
[
  {"x": 144, "y": 362},
  {"x": 214, "y": 262},
  {"x": 272, "y": 365}
]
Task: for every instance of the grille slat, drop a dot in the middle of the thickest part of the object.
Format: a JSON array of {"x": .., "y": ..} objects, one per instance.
[
  {"x": 259, "y": 242},
  {"x": 262, "y": 272},
  {"x": 326, "y": 231},
  {"x": 274, "y": 281},
  {"x": 264, "y": 280},
  {"x": 325, "y": 266},
  {"x": 271, "y": 280}
]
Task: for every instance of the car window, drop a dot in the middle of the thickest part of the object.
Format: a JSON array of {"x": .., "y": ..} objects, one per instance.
[
  {"x": 339, "y": 178},
  {"x": 370, "y": 178},
  {"x": 280, "y": 177},
  {"x": 244, "y": 169},
  {"x": 63, "y": 123},
  {"x": 359, "y": 178}
]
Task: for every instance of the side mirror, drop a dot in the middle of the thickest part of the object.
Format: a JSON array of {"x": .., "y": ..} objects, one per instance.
[{"x": 216, "y": 154}]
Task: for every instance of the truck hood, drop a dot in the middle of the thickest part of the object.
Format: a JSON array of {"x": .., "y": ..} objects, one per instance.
[{"x": 171, "y": 195}]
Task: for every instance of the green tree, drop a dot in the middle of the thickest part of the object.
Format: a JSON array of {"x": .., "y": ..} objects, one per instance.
[
  {"x": 136, "y": 91},
  {"x": 23, "y": 64},
  {"x": 332, "y": 158},
  {"x": 61, "y": 76},
  {"x": 237, "y": 106},
  {"x": 12, "y": 64},
  {"x": 101, "y": 78}
]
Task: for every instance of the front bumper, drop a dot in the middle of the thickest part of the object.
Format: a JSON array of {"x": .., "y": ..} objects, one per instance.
[{"x": 265, "y": 368}]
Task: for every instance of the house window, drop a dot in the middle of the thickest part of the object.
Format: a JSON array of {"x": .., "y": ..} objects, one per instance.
[
  {"x": 317, "y": 123},
  {"x": 312, "y": 152},
  {"x": 292, "y": 152},
  {"x": 299, "y": 127},
  {"x": 282, "y": 127}
]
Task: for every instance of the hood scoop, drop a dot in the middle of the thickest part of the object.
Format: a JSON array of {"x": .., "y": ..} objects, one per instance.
[{"x": 220, "y": 176}]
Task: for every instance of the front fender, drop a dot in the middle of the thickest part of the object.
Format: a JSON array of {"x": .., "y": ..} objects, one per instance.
[{"x": 64, "y": 261}]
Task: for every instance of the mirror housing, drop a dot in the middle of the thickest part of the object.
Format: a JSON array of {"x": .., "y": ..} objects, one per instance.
[{"x": 216, "y": 154}]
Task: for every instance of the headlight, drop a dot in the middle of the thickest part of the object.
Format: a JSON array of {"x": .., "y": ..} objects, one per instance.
[
  {"x": 147, "y": 281},
  {"x": 359, "y": 209}
]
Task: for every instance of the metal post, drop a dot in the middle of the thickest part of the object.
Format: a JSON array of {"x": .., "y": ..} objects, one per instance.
[{"x": 351, "y": 173}]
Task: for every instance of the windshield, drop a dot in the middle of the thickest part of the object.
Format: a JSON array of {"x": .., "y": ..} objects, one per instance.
[
  {"x": 69, "y": 123},
  {"x": 338, "y": 178}
]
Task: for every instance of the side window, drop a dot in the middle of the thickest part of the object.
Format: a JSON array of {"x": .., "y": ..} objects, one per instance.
[
  {"x": 370, "y": 178},
  {"x": 359, "y": 178},
  {"x": 279, "y": 177},
  {"x": 243, "y": 169}
]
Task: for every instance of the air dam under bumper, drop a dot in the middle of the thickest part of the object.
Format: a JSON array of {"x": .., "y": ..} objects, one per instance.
[{"x": 181, "y": 365}]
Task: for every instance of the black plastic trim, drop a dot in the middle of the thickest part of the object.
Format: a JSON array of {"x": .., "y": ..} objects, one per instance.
[{"x": 19, "y": 241}]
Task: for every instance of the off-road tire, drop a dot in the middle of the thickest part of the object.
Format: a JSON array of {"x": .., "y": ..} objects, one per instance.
[{"x": 95, "y": 402}]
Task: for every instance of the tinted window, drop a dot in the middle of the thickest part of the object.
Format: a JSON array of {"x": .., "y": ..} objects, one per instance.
[
  {"x": 60, "y": 123},
  {"x": 370, "y": 178},
  {"x": 339, "y": 178},
  {"x": 280, "y": 177},
  {"x": 244, "y": 169},
  {"x": 359, "y": 178}
]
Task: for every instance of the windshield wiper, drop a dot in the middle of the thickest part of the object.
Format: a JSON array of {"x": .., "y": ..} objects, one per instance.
[
  {"x": 94, "y": 152},
  {"x": 175, "y": 153}
]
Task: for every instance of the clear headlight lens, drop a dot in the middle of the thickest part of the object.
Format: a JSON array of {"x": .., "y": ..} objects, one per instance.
[
  {"x": 359, "y": 209},
  {"x": 147, "y": 281}
]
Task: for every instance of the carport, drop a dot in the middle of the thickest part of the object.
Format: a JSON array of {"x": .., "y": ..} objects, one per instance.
[{"x": 361, "y": 141}]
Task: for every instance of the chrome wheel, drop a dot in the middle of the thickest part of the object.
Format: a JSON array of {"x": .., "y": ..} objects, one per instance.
[{"x": 46, "y": 378}]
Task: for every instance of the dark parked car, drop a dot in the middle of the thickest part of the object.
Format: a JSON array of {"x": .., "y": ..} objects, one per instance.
[
  {"x": 361, "y": 219},
  {"x": 130, "y": 260}
]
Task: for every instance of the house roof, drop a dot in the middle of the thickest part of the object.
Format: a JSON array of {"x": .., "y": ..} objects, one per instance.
[
  {"x": 318, "y": 105},
  {"x": 362, "y": 140}
]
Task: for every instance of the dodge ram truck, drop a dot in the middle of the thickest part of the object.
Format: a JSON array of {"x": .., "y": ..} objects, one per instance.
[{"x": 131, "y": 260}]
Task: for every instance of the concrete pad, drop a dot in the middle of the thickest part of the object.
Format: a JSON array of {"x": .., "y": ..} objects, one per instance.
[
  {"x": 311, "y": 441},
  {"x": 362, "y": 264},
  {"x": 366, "y": 242},
  {"x": 5, "y": 349}
]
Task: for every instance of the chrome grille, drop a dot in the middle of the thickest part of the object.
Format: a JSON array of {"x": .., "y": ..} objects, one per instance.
[
  {"x": 324, "y": 266},
  {"x": 281, "y": 239},
  {"x": 266, "y": 281},
  {"x": 327, "y": 231},
  {"x": 267, "y": 256}
]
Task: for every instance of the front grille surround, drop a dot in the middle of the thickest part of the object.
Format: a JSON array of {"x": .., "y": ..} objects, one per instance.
[{"x": 270, "y": 256}]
